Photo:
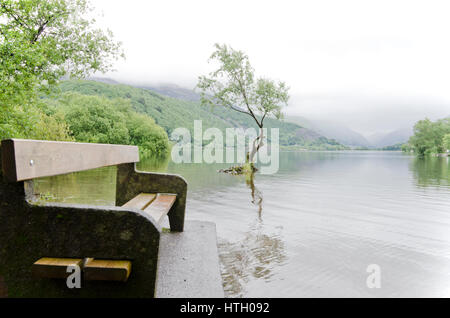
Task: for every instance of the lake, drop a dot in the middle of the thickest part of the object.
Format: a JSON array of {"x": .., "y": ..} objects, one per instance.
[{"x": 312, "y": 229}]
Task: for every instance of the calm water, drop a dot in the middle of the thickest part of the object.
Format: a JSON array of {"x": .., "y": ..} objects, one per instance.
[{"x": 314, "y": 228}]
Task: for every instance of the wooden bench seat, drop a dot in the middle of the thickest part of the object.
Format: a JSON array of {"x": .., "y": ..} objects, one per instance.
[
  {"x": 47, "y": 267},
  {"x": 93, "y": 269},
  {"x": 107, "y": 270},
  {"x": 141, "y": 201},
  {"x": 156, "y": 205}
]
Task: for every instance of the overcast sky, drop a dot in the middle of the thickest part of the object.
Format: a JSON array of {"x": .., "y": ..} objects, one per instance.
[{"x": 372, "y": 65}]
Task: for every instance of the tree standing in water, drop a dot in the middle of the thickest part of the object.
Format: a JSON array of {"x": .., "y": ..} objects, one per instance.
[{"x": 233, "y": 85}]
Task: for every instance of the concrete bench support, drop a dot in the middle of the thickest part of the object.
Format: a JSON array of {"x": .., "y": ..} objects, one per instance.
[
  {"x": 113, "y": 236},
  {"x": 188, "y": 263}
]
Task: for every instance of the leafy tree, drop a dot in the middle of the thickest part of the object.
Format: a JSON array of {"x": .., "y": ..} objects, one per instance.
[
  {"x": 51, "y": 127},
  {"x": 96, "y": 120},
  {"x": 44, "y": 40},
  {"x": 406, "y": 147},
  {"x": 103, "y": 120},
  {"x": 446, "y": 142},
  {"x": 428, "y": 136},
  {"x": 40, "y": 42},
  {"x": 33, "y": 122},
  {"x": 151, "y": 138},
  {"x": 233, "y": 85}
]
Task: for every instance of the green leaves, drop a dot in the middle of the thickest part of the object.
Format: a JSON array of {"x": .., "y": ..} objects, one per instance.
[
  {"x": 61, "y": 40},
  {"x": 102, "y": 120},
  {"x": 269, "y": 95},
  {"x": 429, "y": 137},
  {"x": 233, "y": 85},
  {"x": 40, "y": 42},
  {"x": 446, "y": 142}
]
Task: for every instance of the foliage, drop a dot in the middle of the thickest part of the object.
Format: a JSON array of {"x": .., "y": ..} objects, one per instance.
[
  {"x": 40, "y": 42},
  {"x": 428, "y": 136},
  {"x": 233, "y": 85},
  {"x": 33, "y": 122},
  {"x": 43, "y": 40},
  {"x": 171, "y": 113},
  {"x": 101, "y": 120},
  {"x": 446, "y": 142},
  {"x": 407, "y": 148},
  {"x": 145, "y": 133},
  {"x": 431, "y": 171},
  {"x": 51, "y": 127},
  {"x": 396, "y": 147}
]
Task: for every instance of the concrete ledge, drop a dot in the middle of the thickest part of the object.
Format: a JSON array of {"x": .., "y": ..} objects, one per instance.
[{"x": 188, "y": 263}]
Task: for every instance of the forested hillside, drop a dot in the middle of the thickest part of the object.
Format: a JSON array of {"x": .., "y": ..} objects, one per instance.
[{"x": 171, "y": 113}]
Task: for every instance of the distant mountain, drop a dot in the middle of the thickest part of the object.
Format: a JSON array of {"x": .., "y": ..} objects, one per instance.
[
  {"x": 171, "y": 90},
  {"x": 328, "y": 129},
  {"x": 174, "y": 91},
  {"x": 103, "y": 80},
  {"x": 399, "y": 136}
]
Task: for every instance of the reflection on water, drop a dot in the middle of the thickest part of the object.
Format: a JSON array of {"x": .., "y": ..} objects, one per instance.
[
  {"x": 154, "y": 164},
  {"x": 431, "y": 171},
  {"x": 257, "y": 197},
  {"x": 314, "y": 227},
  {"x": 251, "y": 258},
  {"x": 95, "y": 187}
]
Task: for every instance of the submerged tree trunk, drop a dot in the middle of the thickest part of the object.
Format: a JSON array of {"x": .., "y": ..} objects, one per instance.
[
  {"x": 257, "y": 144},
  {"x": 249, "y": 166}
]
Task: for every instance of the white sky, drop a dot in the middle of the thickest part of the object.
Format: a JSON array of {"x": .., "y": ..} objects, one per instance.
[{"x": 372, "y": 65}]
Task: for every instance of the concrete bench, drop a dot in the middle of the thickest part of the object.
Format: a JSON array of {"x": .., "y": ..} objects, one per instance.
[
  {"x": 188, "y": 263},
  {"x": 116, "y": 247}
]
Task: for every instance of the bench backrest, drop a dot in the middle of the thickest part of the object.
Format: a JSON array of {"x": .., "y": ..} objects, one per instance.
[{"x": 28, "y": 159}]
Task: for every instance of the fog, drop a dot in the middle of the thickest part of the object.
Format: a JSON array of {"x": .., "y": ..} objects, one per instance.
[
  {"x": 368, "y": 114},
  {"x": 371, "y": 65}
]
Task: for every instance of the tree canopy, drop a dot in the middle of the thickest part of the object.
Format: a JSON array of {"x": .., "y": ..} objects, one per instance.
[
  {"x": 429, "y": 137},
  {"x": 102, "y": 120},
  {"x": 42, "y": 41},
  {"x": 234, "y": 85},
  {"x": 446, "y": 142}
]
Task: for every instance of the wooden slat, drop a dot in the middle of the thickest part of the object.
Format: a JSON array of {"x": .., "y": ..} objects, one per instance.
[
  {"x": 28, "y": 159},
  {"x": 108, "y": 270},
  {"x": 141, "y": 201},
  {"x": 54, "y": 267},
  {"x": 160, "y": 206}
]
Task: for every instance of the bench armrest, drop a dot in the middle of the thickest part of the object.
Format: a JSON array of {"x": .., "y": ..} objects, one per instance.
[{"x": 131, "y": 182}]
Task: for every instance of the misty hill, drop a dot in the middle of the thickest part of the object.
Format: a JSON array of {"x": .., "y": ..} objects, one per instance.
[
  {"x": 395, "y": 137},
  {"x": 174, "y": 91},
  {"x": 103, "y": 80},
  {"x": 341, "y": 133},
  {"x": 171, "y": 113}
]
